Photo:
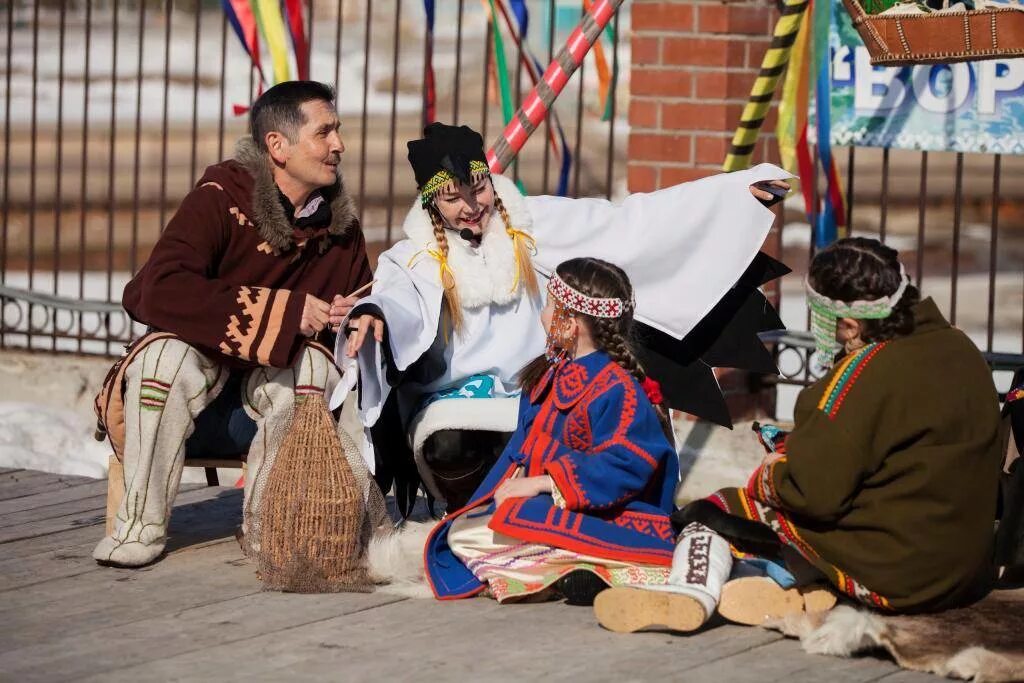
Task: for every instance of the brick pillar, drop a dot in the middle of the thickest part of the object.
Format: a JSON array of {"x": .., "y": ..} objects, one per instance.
[{"x": 693, "y": 64}]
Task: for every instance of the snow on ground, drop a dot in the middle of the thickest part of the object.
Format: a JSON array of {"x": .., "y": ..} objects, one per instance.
[
  {"x": 35, "y": 437},
  {"x": 46, "y": 416}
]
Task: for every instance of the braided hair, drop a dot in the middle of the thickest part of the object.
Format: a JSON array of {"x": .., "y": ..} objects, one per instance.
[
  {"x": 522, "y": 251},
  {"x": 863, "y": 269},
  {"x": 452, "y": 303},
  {"x": 614, "y": 336}
]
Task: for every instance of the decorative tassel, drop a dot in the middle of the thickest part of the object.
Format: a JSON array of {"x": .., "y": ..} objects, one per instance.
[{"x": 523, "y": 247}]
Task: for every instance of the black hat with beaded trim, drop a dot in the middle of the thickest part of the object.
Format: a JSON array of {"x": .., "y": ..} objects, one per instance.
[{"x": 446, "y": 155}]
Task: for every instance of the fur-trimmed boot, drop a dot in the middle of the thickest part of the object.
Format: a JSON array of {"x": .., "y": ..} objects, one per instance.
[
  {"x": 167, "y": 385},
  {"x": 270, "y": 396},
  {"x": 701, "y": 564}
]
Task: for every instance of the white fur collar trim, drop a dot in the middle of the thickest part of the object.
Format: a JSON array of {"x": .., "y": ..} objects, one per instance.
[{"x": 483, "y": 275}]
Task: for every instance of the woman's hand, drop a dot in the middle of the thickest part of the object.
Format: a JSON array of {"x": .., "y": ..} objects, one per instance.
[
  {"x": 765, "y": 195},
  {"x": 358, "y": 328},
  {"x": 522, "y": 488}
]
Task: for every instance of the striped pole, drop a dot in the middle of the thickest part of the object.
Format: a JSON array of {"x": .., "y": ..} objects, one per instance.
[
  {"x": 772, "y": 67},
  {"x": 537, "y": 104}
]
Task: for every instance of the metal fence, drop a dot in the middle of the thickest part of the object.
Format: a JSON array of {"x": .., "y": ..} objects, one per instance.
[
  {"x": 113, "y": 108},
  {"x": 958, "y": 222}
]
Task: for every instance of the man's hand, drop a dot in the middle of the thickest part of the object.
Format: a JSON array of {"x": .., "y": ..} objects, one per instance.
[
  {"x": 340, "y": 307},
  {"x": 357, "y": 330},
  {"x": 315, "y": 315},
  {"x": 522, "y": 488}
]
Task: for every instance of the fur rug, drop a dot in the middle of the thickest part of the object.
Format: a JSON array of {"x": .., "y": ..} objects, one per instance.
[
  {"x": 983, "y": 642},
  {"x": 395, "y": 561}
]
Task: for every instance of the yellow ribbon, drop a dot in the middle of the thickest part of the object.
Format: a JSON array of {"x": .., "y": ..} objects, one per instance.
[
  {"x": 531, "y": 244},
  {"x": 272, "y": 24},
  {"x": 441, "y": 259}
]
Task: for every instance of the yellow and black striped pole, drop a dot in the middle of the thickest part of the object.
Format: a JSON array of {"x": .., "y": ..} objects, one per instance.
[{"x": 772, "y": 67}]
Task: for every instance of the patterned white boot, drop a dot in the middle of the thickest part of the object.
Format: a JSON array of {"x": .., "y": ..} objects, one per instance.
[
  {"x": 701, "y": 564},
  {"x": 167, "y": 386}
]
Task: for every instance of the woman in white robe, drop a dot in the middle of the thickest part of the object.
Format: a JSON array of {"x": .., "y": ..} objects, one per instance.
[{"x": 473, "y": 242}]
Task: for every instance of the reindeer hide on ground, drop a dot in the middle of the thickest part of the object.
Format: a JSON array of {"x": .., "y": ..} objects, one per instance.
[{"x": 983, "y": 642}]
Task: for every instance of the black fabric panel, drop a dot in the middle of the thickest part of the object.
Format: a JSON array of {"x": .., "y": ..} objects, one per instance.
[
  {"x": 726, "y": 338},
  {"x": 687, "y": 386},
  {"x": 763, "y": 269}
]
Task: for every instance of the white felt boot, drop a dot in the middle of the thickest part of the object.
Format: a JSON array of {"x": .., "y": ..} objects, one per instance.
[
  {"x": 167, "y": 386},
  {"x": 270, "y": 395},
  {"x": 701, "y": 564}
]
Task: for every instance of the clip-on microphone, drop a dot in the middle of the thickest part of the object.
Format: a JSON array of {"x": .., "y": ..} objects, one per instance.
[{"x": 469, "y": 236}]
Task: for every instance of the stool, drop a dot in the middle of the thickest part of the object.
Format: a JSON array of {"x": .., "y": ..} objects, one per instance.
[{"x": 115, "y": 479}]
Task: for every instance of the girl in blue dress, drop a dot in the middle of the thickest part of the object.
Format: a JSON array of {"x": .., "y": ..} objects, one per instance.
[{"x": 580, "y": 498}]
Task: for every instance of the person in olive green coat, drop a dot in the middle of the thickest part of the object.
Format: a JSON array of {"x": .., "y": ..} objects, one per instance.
[{"x": 887, "y": 485}]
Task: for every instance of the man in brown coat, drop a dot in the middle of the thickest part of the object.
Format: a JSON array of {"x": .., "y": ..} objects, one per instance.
[{"x": 257, "y": 260}]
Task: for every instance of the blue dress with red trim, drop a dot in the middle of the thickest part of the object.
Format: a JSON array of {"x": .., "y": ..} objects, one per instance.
[{"x": 589, "y": 425}]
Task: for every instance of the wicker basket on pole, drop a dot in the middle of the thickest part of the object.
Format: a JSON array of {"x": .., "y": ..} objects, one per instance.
[{"x": 312, "y": 512}]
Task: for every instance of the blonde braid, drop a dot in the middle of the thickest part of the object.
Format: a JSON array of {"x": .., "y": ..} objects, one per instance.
[
  {"x": 451, "y": 293},
  {"x": 521, "y": 250}
]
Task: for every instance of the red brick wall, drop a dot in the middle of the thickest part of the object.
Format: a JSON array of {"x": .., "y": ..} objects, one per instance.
[{"x": 693, "y": 64}]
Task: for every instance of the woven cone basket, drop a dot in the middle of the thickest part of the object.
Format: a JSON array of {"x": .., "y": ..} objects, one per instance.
[{"x": 312, "y": 511}]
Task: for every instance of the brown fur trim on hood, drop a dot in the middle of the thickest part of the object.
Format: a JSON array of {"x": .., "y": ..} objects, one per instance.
[{"x": 267, "y": 212}]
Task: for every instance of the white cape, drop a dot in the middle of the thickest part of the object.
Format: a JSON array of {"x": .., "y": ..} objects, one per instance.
[{"x": 682, "y": 247}]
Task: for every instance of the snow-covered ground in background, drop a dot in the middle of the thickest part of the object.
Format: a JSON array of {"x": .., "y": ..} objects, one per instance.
[
  {"x": 181, "y": 98},
  {"x": 35, "y": 437},
  {"x": 46, "y": 415}
]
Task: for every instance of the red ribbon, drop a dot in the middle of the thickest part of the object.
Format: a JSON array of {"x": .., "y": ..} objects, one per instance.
[
  {"x": 297, "y": 26},
  {"x": 653, "y": 390}
]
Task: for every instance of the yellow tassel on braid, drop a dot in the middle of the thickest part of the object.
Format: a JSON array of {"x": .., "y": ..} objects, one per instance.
[
  {"x": 444, "y": 270},
  {"x": 523, "y": 247},
  {"x": 445, "y": 273}
]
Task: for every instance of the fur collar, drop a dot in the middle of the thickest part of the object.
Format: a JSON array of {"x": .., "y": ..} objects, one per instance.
[
  {"x": 483, "y": 275},
  {"x": 267, "y": 212}
]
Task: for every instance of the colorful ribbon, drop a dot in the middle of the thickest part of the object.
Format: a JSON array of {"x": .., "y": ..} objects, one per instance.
[
  {"x": 605, "y": 78},
  {"x": 832, "y": 215},
  {"x": 538, "y": 102},
  {"x": 429, "y": 83},
  {"x": 242, "y": 20},
  {"x": 534, "y": 71},
  {"x": 792, "y": 127},
  {"x": 772, "y": 66},
  {"x": 500, "y": 64},
  {"x": 297, "y": 28},
  {"x": 800, "y": 39},
  {"x": 268, "y": 17}
]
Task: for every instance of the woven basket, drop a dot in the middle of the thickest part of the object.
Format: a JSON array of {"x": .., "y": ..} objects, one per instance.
[
  {"x": 312, "y": 512},
  {"x": 894, "y": 40}
]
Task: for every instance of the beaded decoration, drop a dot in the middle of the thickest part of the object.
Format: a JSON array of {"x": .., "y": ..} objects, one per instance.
[
  {"x": 825, "y": 313},
  {"x": 443, "y": 179},
  {"x": 561, "y": 339},
  {"x": 581, "y": 303}
]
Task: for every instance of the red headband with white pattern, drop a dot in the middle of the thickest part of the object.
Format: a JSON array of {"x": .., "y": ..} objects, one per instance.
[{"x": 581, "y": 303}]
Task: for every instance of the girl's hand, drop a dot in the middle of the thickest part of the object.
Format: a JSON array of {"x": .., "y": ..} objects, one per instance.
[{"x": 522, "y": 488}]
